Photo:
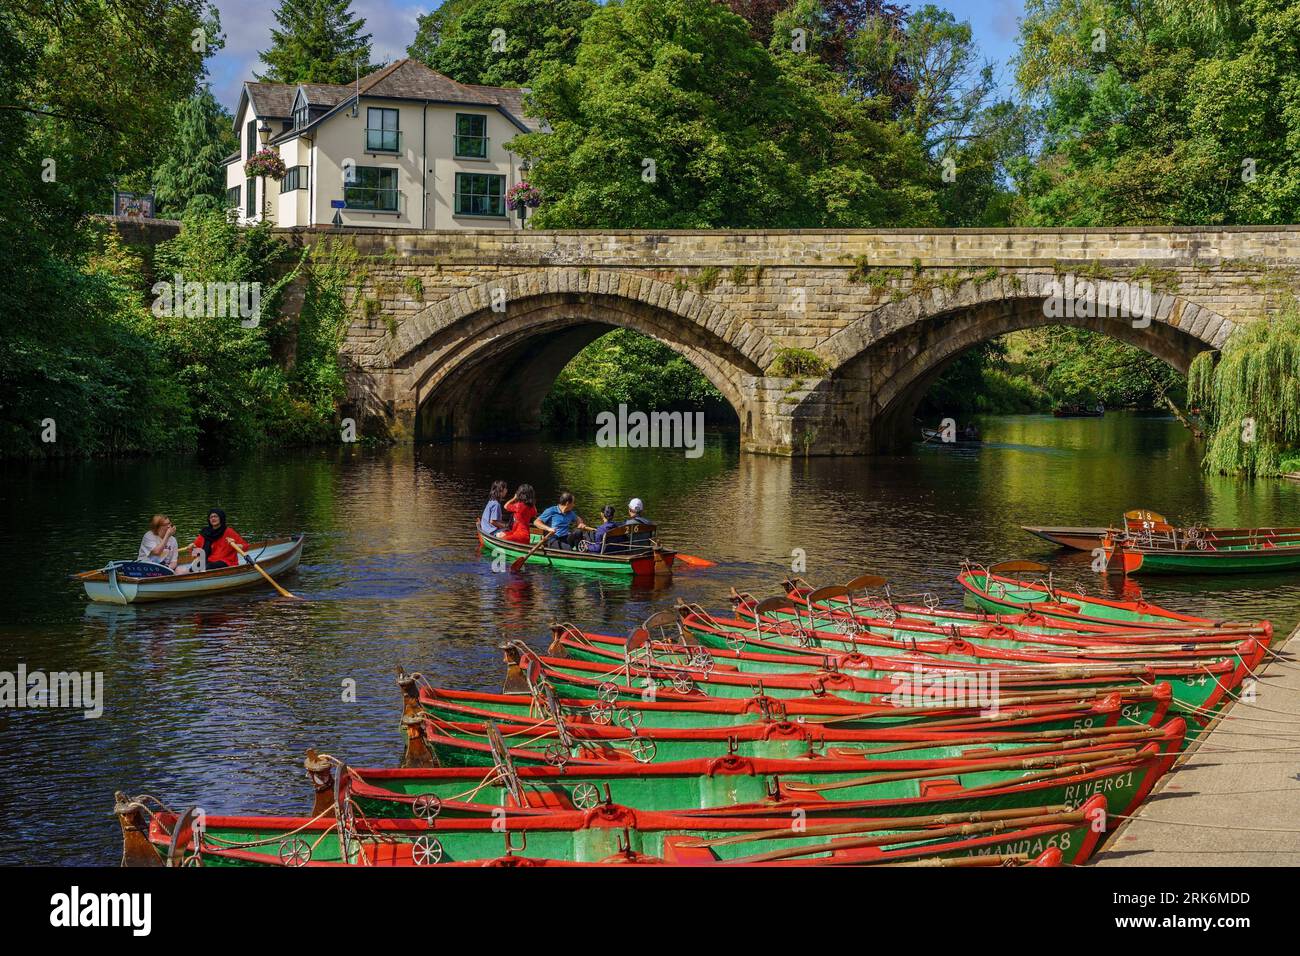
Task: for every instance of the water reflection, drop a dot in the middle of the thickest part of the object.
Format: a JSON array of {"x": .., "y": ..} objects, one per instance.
[{"x": 216, "y": 700}]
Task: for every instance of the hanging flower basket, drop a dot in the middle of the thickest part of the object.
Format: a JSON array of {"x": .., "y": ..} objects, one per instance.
[
  {"x": 265, "y": 162},
  {"x": 523, "y": 193}
]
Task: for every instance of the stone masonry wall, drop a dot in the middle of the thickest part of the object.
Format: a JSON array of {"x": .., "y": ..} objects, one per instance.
[{"x": 834, "y": 293}]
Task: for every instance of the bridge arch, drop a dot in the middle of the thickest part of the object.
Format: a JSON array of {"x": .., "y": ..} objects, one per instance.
[
  {"x": 478, "y": 370},
  {"x": 889, "y": 358}
]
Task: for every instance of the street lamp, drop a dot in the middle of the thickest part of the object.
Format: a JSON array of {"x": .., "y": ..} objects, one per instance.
[
  {"x": 524, "y": 167},
  {"x": 264, "y": 134}
]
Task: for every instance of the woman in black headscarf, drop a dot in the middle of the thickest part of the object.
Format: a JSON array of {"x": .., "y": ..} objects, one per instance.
[{"x": 214, "y": 541}]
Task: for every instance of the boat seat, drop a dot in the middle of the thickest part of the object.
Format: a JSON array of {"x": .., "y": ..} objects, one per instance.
[
  {"x": 675, "y": 852},
  {"x": 547, "y": 799},
  {"x": 937, "y": 788},
  {"x": 628, "y": 536}
]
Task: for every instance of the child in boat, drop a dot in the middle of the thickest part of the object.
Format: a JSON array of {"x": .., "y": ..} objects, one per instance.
[
  {"x": 158, "y": 546},
  {"x": 217, "y": 551},
  {"x": 598, "y": 536},
  {"x": 523, "y": 507},
  {"x": 493, "y": 520},
  {"x": 563, "y": 522}
]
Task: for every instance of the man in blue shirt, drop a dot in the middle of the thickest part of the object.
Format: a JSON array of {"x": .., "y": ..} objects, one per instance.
[{"x": 560, "y": 519}]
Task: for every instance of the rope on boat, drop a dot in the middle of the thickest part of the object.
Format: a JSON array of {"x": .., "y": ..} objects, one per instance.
[
  {"x": 236, "y": 845},
  {"x": 1202, "y": 826}
]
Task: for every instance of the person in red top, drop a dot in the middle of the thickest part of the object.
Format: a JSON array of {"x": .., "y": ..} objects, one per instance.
[
  {"x": 217, "y": 552},
  {"x": 524, "y": 508}
]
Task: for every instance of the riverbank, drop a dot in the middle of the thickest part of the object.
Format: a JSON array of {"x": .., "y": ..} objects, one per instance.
[{"x": 1233, "y": 798}]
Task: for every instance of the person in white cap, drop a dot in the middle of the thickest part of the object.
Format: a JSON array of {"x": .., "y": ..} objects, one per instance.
[{"x": 635, "y": 509}]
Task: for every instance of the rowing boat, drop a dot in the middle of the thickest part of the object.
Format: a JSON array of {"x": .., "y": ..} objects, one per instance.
[
  {"x": 1143, "y": 521},
  {"x": 1075, "y": 708},
  {"x": 878, "y": 623},
  {"x": 841, "y": 782},
  {"x": 1077, "y": 539},
  {"x": 1199, "y": 690},
  {"x": 135, "y": 582},
  {"x": 1144, "y": 554},
  {"x": 1000, "y": 594},
  {"x": 1200, "y": 685},
  {"x": 609, "y": 834},
  {"x": 638, "y": 561}
]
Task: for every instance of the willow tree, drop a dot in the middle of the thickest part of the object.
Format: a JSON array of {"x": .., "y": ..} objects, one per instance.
[{"x": 1251, "y": 398}]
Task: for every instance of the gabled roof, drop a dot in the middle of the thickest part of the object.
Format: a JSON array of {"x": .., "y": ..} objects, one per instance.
[
  {"x": 511, "y": 99},
  {"x": 323, "y": 94},
  {"x": 411, "y": 79},
  {"x": 271, "y": 100},
  {"x": 405, "y": 79}
]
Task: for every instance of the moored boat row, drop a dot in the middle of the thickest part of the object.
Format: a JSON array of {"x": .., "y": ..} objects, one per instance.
[{"x": 822, "y": 726}]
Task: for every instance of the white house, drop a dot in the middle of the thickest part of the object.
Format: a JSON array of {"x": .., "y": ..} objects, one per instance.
[{"x": 403, "y": 147}]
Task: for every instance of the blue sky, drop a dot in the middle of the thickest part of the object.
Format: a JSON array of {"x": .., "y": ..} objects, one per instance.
[{"x": 247, "y": 25}]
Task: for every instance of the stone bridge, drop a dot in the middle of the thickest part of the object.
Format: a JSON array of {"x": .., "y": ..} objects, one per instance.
[{"x": 823, "y": 341}]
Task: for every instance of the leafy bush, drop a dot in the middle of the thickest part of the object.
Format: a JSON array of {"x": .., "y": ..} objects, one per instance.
[{"x": 791, "y": 363}]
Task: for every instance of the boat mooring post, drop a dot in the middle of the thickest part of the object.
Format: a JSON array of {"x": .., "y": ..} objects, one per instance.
[
  {"x": 320, "y": 771},
  {"x": 136, "y": 848},
  {"x": 417, "y": 752}
]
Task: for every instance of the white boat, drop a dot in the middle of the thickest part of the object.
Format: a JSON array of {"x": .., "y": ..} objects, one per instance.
[{"x": 116, "y": 584}]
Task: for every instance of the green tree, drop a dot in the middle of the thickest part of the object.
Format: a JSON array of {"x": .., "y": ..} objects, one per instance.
[
  {"x": 673, "y": 116},
  {"x": 1250, "y": 397},
  {"x": 1160, "y": 113},
  {"x": 85, "y": 86},
  {"x": 191, "y": 164},
  {"x": 458, "y": 38},
  {"x": 627, "y": 367},
  {"x": 318, "y": 41}
]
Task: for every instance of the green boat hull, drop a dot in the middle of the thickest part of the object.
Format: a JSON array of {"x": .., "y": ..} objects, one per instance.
[
  {"x": 1141, "y": 711},
  {"x": 1223, "y": 561},
  {"x": 1195, "y": 695},
  {"x": 598, "y": 844},
  {"x": 643, "y": 563}
]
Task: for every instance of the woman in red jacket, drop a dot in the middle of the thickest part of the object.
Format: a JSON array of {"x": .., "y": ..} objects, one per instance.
[{"x": 217, "y": 552}]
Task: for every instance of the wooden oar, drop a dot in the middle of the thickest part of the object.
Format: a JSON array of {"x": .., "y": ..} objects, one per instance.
[
  {"x": 262, "y": 571},
  {"x": 691, "y": 561},
  {"x": 518, "y": 563}
]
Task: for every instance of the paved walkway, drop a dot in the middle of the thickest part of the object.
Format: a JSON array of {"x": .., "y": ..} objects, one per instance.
[{"x": 1245, "y": 773}]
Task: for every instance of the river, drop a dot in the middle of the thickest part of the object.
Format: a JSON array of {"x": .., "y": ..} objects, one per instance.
[{"x": 214, "y": 702}]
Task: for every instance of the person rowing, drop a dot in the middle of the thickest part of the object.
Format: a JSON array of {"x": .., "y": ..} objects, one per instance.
[
  {"x": 562, "y": 523},
  {"x": 213, "y": 544}
]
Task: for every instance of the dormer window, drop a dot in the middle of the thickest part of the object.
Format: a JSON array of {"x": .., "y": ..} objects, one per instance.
[{"x": 301, "y": 112}]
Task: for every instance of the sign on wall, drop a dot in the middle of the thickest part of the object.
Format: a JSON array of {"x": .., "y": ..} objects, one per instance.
[{"x": 133, "y": 205}]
